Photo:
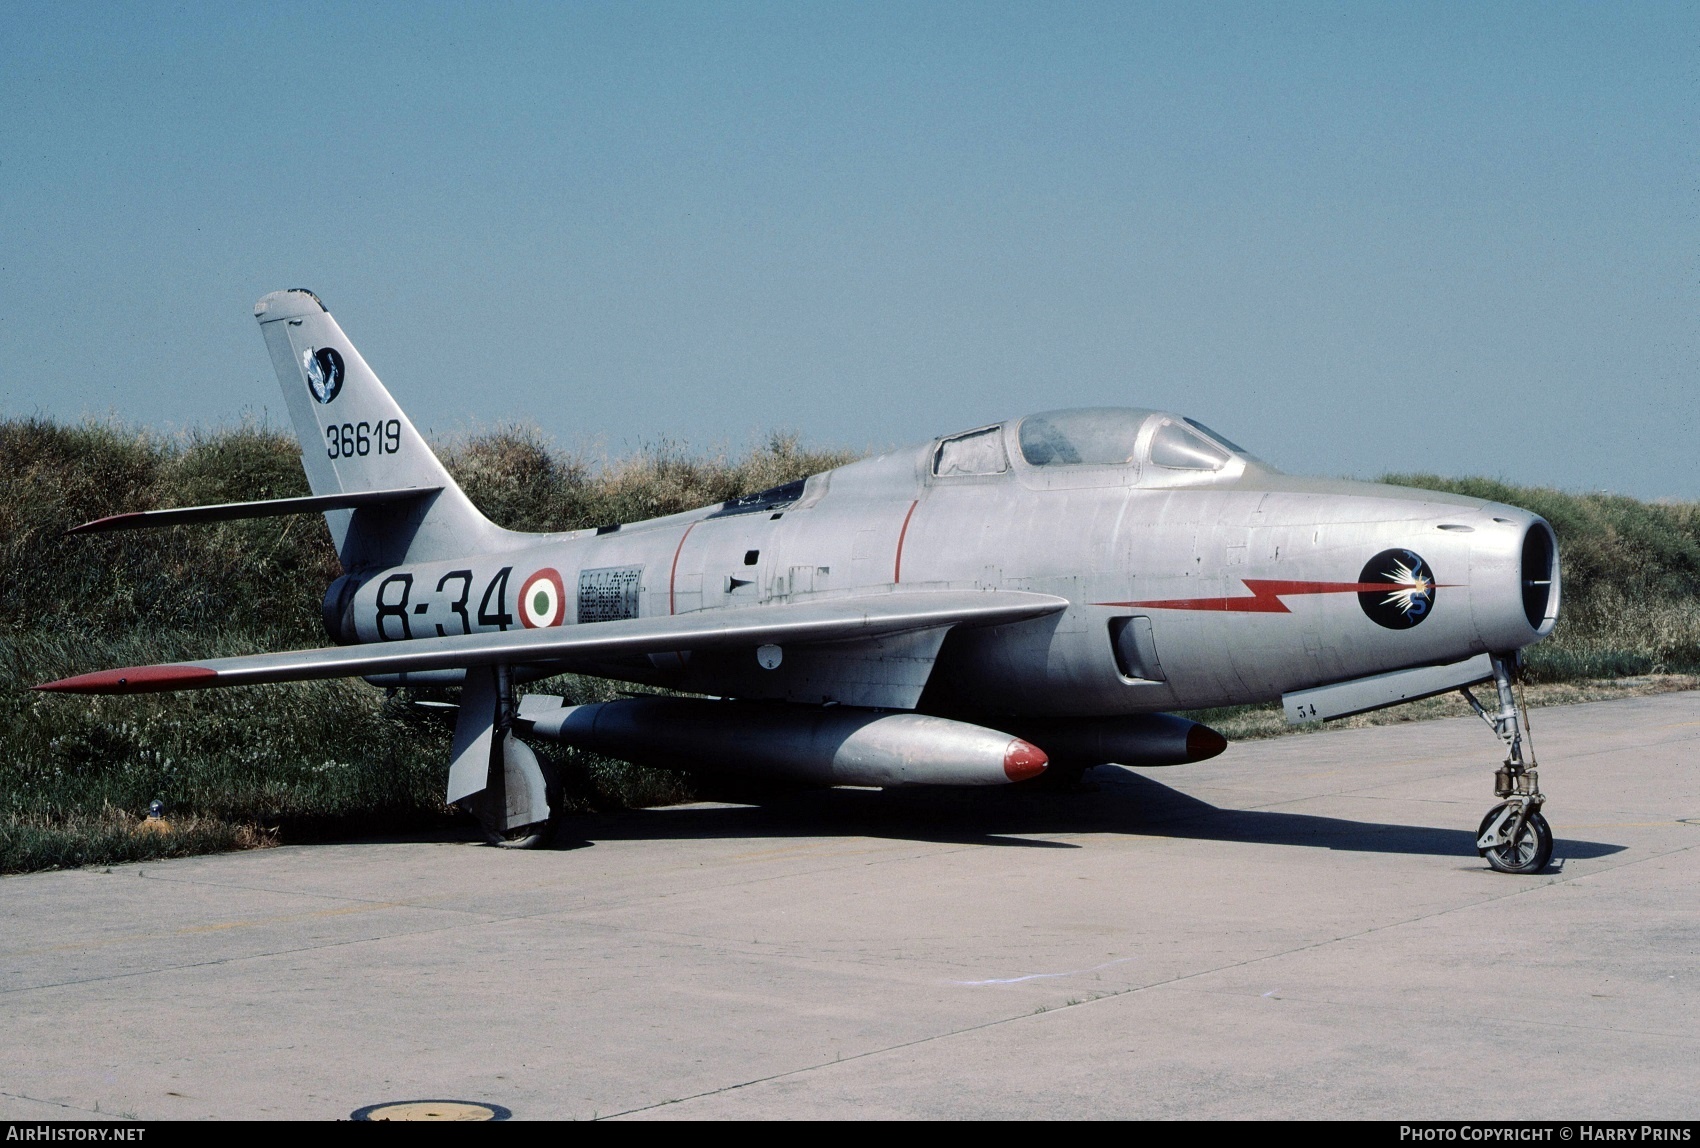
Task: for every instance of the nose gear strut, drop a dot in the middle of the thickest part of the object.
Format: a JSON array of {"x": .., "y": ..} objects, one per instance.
[{"x": 1514, "y": 837}]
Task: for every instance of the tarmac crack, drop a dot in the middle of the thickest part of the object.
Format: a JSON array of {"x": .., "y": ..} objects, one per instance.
[
  {"x": 1134, "y": 989},
  {"x": 53, "y": 1103},
  {"x": 1686, "y": 1037},
  {"x": 905, "y": 851},
  {"x": 267, "y": 954}
]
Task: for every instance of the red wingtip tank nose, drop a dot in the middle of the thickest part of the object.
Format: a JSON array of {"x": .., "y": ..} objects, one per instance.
[
  {"x": 1203, "y": 742},
  {"x": 1023, "y": 760}
]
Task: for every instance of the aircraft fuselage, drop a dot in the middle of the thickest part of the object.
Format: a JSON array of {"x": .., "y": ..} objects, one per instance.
[{"x": 1185, "y": 588}]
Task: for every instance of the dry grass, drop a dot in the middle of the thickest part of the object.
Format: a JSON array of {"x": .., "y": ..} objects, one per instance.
[
  {"x": 109, "y": 836},
  {"x": 524, "y": 483},
  {"x": 243, "y": 768},
  {"x": 1631, "y": 602}
]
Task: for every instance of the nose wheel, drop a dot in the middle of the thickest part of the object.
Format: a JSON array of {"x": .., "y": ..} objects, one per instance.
[
  {"x": 1519, "y": 839},
  {"x": 1514, "y": 836}
]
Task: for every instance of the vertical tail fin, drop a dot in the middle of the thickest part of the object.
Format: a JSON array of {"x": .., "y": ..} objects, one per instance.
[{"x": 355, "y": 437}]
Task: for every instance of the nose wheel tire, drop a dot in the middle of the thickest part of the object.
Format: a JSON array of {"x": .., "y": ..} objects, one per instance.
[{"x": 1528, "y": 854}]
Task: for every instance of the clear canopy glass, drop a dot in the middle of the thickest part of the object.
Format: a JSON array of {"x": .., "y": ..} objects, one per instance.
[
  {"x": 1090, "y": 436},
  {"x": 1182, "y": 448}
]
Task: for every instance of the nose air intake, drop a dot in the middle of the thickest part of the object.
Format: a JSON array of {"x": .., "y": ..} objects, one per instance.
[{"x": 1540, "y": 577}]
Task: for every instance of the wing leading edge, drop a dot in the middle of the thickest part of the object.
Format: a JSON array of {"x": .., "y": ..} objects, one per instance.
[{"x": 833, "y": 620}]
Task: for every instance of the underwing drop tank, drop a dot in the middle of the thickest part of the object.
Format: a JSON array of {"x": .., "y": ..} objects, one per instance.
[
  {"x": 1129, "y": 739},
  {"x": 835, "y": 745}
]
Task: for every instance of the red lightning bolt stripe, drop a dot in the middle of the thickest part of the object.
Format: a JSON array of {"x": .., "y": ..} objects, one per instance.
[{"x": 1266, "y": 594}]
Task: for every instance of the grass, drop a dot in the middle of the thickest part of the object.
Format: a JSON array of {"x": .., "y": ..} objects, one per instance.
[
  {"x": 109, "y": 836},
  {"x": 238, "y": 768},
  {"x": 311, "y": 761},
  {"x": 1631, "y": 592}
]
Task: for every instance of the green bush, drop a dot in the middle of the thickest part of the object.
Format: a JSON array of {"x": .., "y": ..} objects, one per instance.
[
  {"x": 265, "y": 763},
  {"x": 1631, "y": 579},
  {"x": 310, "y": 760}
]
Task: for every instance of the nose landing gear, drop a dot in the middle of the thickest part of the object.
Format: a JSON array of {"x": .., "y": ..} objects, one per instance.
[{"x": 1514, "y": 837}]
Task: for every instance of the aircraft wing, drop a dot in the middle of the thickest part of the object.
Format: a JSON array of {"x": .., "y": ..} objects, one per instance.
[{"x": 831, "y": 620}]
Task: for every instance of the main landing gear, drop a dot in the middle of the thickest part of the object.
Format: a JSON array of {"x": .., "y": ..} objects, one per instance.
[
  {"x": 1514, "y": 837},
  {"x": 495, "y": 776}
]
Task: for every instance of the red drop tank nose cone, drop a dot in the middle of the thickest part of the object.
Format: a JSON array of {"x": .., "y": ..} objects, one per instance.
[
  {"x": 1023, "y": 760},
  {"x": 1203, "y": 742}
]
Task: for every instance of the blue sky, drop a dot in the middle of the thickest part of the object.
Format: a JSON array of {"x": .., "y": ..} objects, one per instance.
[{"x": 1356, "y": 238}]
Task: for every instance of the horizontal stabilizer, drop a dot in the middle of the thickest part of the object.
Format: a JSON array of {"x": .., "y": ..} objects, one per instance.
[
  {"x": 271, "y": 507},
  {"x": 833, "y": 620}
]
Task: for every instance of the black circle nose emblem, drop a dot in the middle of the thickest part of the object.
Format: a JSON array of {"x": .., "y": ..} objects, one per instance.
[{"x": 1396, "y": 589}]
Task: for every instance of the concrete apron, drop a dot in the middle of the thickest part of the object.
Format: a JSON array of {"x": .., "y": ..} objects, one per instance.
[{"x": 1300, "y": 927}]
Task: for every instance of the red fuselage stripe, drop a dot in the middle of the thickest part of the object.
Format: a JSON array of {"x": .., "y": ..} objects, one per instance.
[
  {"x": 674, "y": 572},
  {"x": 1266, "y": 594},
  {"x": 897, "y": 567}
]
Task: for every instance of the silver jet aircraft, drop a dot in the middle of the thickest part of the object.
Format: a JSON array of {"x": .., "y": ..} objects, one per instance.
[{"x": 969, "y": 611}]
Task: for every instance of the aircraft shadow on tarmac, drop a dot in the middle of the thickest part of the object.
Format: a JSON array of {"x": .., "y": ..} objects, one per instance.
[{"x": 1111, "y": 801}]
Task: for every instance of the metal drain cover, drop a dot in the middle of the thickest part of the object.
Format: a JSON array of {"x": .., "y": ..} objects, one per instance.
[{"x": 431, "y": 1110}]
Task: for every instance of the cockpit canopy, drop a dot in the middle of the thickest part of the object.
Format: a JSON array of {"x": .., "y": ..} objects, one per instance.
[
  {"x": 1091, "y": 436},
  {"x": 1109, "y": 436}
]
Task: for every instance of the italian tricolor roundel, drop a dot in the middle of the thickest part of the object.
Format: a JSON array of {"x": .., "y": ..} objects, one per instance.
[{"x": 542, "y": 600}]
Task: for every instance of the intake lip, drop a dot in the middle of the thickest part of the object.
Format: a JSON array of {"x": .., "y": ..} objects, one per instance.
[{"x": 1539, "y": 571}]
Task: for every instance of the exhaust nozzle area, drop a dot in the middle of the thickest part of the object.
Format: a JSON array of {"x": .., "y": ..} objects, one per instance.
[{"x": 1127, "y": 739}]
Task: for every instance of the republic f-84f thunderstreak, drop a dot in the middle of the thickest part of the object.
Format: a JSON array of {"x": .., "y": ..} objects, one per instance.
[{"x": 973, "y": 610}]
